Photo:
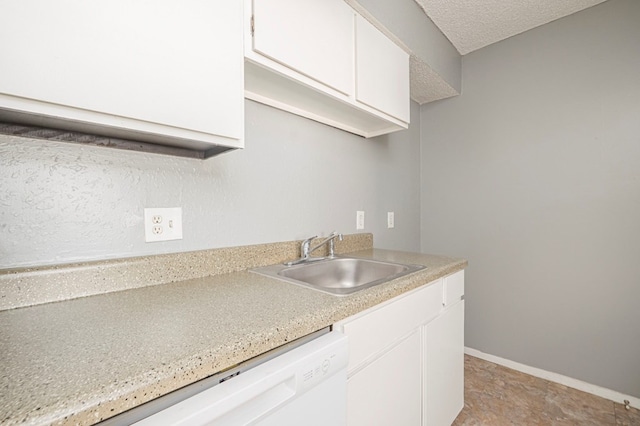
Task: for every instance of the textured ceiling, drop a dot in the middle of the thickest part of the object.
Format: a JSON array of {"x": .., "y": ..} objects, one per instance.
[{"x": 472, "y": 24}]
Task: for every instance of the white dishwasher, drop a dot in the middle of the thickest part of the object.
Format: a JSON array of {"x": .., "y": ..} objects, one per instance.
[{"x": 306, "y": 385}]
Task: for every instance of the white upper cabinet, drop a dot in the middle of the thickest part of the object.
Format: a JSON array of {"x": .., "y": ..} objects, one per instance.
[
  {"x": 313, "y": 38},
  {"x": 382, "y": 72},
  {"x": 301, "y": 57},
  {"x": 164, "y": 72}
]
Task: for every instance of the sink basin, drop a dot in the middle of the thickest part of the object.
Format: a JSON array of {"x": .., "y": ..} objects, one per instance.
[{"x": 339, "y": 275}]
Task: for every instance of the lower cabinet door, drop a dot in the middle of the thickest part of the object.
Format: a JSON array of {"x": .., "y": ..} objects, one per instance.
[
  {"x": 387, "y": 391},
  {"x": 444, "y": 367}
]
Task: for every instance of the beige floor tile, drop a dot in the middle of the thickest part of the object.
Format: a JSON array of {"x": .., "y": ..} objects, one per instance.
[
  {"x": 496, "y": 395},
  {"x": 626, "y": 417},
  {"x": 566, "y": 404}
]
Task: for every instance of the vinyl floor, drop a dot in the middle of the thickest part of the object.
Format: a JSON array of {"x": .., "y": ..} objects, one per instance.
[{"x": 496, "y": 395}]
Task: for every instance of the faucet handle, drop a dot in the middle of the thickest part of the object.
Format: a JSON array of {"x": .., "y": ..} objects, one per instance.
[{"x": 304, "y": 247}]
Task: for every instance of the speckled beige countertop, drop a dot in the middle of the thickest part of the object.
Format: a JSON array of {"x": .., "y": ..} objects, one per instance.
[{"x": 82, "y": 360}]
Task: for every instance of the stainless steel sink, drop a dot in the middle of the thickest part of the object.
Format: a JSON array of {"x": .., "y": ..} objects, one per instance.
[{"x": 339, "y": 275}]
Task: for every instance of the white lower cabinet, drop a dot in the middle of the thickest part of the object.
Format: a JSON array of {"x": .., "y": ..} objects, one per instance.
[
  {"x": 443, "y": 385},
  {"x": 369, "y": 400},
  {"x": 406, "y": 358}
]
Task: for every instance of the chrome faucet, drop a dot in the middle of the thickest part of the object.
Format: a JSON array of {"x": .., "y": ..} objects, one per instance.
[
  {"x": 306, "y": 250},
  {"x": 330, "y": 240}
]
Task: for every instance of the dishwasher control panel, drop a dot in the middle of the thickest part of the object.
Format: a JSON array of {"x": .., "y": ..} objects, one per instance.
[{"x": 328, "y": 364}]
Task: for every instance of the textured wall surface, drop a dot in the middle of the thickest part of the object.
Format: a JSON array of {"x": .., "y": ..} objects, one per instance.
[
  {"x": 533, "y": 175},
  {"x": 61, "y": 203}
]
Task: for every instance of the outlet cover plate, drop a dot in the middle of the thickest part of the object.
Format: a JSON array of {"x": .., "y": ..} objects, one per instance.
[
  {"x": 359, "y": 219},
  {"x": 162, "y": 224}
]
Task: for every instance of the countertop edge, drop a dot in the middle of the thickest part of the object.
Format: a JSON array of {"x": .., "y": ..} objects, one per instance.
[
  {"x": 94, "y": 407},
  {"x": 365, "y": 300}
]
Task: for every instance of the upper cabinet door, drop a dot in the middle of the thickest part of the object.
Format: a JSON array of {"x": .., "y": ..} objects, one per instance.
[
  {"x": 382, "y": 72},
  {"x": 164, "y": 67},
  {"x": 312, "y": 37}
]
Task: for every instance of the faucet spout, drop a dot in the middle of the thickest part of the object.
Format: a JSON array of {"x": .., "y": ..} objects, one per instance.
[
  {"x": 306, "y": 250},
  {"x": 330, "y": 240}
]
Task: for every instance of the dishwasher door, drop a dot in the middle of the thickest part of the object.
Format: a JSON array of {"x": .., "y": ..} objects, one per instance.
[{"x": 305, "y": 386}]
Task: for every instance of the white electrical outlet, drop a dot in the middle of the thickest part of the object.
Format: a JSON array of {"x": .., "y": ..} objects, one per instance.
[
  {"x": 390, "y": 220},
  {"x": 359, "y": 219},
  {"x": 162, "y": 224}
]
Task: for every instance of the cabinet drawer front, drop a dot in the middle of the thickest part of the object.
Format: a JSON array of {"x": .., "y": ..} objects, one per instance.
[
  {"x": 373, "y": 330},
  {"x": 453, "y": 288}
]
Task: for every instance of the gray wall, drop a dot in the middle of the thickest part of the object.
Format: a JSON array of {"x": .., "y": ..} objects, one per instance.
[
  {"x": 61, "y": 203},
  {"x": 533, "y": 174}
]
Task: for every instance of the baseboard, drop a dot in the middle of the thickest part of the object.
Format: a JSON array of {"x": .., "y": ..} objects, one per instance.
[{"x": 609, "y": 394}]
